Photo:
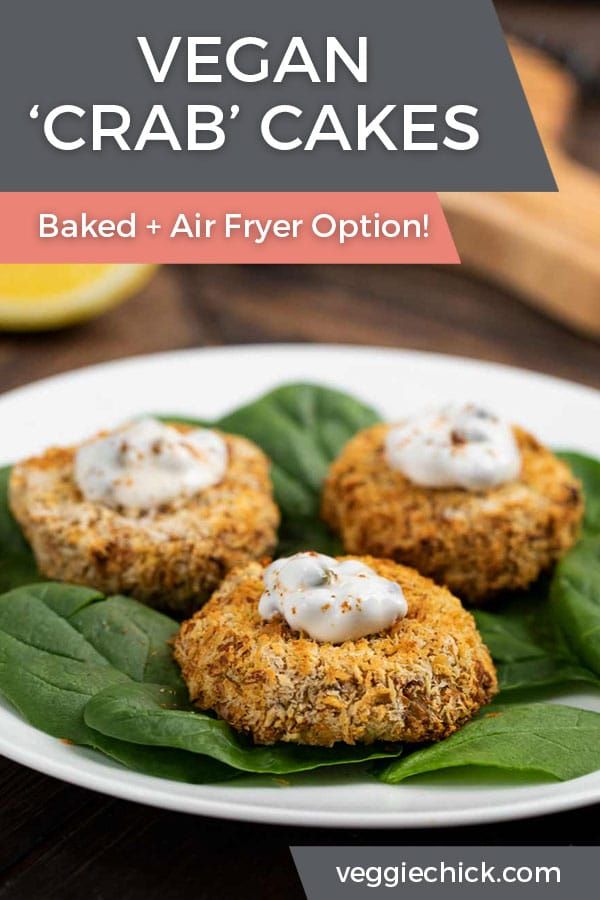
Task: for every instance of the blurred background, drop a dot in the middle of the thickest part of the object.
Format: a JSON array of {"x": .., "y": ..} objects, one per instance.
[{"x": 528, "y": 292}]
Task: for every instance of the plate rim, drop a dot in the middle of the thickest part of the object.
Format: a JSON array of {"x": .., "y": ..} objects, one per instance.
[
  {"x": 268, "y": 815},
  {"x": 294, "y": 347}
]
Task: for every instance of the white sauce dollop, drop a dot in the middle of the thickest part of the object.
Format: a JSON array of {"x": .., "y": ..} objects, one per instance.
[
  {"x": 456, "y": 446},
  {"x": 147, "y": 464},
  {"x": 330, "y": 600}
]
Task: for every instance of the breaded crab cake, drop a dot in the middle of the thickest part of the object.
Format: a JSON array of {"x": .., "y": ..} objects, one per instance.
[
  {"x": 418, "y": 679},
  {"x": 476, "y": 505},
  {"x": 159, "y": 512}
]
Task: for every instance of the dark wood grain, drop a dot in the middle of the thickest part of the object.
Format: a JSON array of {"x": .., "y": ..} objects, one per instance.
[
  {"x": 68, "y": 843},
  {"x": 58, "y": 841}
]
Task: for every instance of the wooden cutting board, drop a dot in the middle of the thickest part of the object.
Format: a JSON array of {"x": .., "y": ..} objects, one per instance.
[{"x": 543, "y": 246}]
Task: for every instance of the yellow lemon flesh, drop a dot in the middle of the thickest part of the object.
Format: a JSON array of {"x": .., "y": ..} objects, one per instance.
[{"x": 35, "y": 297}]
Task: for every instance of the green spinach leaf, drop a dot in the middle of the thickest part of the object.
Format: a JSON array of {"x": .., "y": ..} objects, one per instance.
[
  {"x": 301, "y": 427},
  {"x": 50, "y": 669},
  {"x": 587, "y": 470},
  {"x": 537, "y": 644},
  {"x": 540, "y": 739},
  {"x": 17, "y": 565},
  {"x": 296, "y": 535},
  {"x": 158, "y": 716},
  {"x": 528, "y": 648},
  {"x": 575, "y": 601},
  {"x": 134, "y": 638},
  {"x": 175, "y": 765}
]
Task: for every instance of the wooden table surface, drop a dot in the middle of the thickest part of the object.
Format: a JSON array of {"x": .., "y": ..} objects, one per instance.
[{"x": 58, "y": 841}]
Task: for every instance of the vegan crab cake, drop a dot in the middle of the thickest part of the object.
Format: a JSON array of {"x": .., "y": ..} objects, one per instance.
[
  {"x": 159, "y": 512},
  {"x": 315, "y": 650},
  {"x": 462, "y": 496}
]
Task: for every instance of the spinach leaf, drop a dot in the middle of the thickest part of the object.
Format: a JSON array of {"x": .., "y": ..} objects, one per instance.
[
  {"x": 61, "y": 646},
  {"x": 17, "y": 565},
  {"x": 51, "y": 689},
  {"x": 575, "y": 601},
  {"x": 50, "y": 669},
  {"x": 587, "y": 470},
  {"x": 158, "y": 716},
  {"x": 528, "y": 648},
  {"x": 296, "y": 535},
  {"x": 134, "y": 638},
  {"x": 538, "y": 644},
  {"x": 78, "y": 622},
  {"x": 301, "y": 428},
  {"x": 533, "y": 679},
  {"x": 175, "y": 765},
  {"x": 540, "y": 739}
]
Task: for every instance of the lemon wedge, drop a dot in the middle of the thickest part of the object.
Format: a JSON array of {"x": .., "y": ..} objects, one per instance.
[{"x": 34, "y": 297}]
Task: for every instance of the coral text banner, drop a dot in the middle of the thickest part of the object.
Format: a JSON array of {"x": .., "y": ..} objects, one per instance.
[{"x": 224, "y": 227}]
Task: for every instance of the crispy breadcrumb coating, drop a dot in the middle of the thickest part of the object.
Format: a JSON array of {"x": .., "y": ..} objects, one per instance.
[
  {"x": 419, "y": 680},
  {"x": 172, "y": 558},
  {"x": 476, "y": 542}
]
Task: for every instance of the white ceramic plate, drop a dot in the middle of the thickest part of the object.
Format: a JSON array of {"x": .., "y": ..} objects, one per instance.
[{"x": 208, "y": 383}]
